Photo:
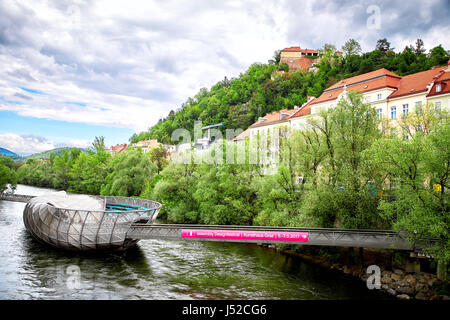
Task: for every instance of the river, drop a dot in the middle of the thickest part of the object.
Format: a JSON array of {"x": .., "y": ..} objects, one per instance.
[{"x": 158, "y": 269}]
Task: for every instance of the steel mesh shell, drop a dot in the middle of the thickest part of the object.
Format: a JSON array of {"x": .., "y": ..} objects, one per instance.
[{"x": 78, "y": 228}]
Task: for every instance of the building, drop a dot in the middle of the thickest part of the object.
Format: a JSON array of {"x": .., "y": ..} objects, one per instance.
[
  {"x": 240, "y": 138},
  {"x": 391, "y": 95},
  {"x": 117, "y": 149},
  {"x": 295, "y": 118},
  {"x": 146, "y": 145},
  {"x": 299, "y": 59}
]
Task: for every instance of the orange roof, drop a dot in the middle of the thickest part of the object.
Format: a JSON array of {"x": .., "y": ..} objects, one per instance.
[
  {"x": 304, "y": 109},
  {"x": 298, "y": 49},
  {"x": 364, "y": 77},
  {"x": 243, "y": 135},
  {"x": 119, "y": 146},
  {"x": 416, "y": 82},
  {"x": 291, "y": 49},
  {"x": 274, "y": 117},
  {"x": 444, "y": 81},
  {"x": 374, "y": 80}
]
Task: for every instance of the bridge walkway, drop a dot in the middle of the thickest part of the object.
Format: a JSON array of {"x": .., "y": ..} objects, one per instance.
[{"x": 381, "y": 239}]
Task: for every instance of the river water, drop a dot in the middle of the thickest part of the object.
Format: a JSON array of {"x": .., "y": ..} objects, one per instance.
[{"x": 158, "y": 269}]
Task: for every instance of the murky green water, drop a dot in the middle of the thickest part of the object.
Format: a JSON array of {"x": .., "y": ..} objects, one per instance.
[{"x": 158, "y": 269}]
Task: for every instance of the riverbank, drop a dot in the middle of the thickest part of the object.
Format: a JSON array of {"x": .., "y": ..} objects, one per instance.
[{"x": 395, "y": 279}]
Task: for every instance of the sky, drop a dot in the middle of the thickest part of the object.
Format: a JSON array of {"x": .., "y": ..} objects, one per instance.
[{"x": 73, "y": 70}]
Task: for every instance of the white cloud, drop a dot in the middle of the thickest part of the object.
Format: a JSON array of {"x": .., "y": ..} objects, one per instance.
[
  {"x": 131, "y": 63},
  {"x": 24, "y": 144},
  {"x": 31, "y": 143}
]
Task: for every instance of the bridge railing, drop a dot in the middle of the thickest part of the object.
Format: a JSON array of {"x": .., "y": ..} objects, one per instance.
[{"x": 382, "y": 239}]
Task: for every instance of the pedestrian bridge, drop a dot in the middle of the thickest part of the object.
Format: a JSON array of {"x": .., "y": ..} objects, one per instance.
[{"x": 381, "y": 239}]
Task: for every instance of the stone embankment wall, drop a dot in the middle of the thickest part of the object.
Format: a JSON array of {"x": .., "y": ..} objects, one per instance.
[{"x": 394, "y": 280}]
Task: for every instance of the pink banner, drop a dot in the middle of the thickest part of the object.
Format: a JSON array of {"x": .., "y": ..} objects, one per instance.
[{"x": 245, "y": 235}]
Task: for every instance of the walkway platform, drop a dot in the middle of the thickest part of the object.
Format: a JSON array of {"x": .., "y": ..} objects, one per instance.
[{"x": 381, "y": 239}]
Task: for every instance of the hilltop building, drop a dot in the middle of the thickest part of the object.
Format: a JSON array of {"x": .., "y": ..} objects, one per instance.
[{"x": 299, "y": 59}]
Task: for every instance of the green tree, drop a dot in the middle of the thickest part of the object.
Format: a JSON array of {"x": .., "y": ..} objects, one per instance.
[
  {"x": 128, "y": 174},
  {"x": 439, "y": 56},
  {"x": 339, "y": 195},
  {"x": 351, "y": 47},
  {"x": 383, "y": 45},
  {"x": 89, "y": 172},
  {"x": 7, "y": 176},
  {"x": 99, "y": 143},
  {"x": 158, "y": 156},
  {"x": 175, "y": 190},
  {"x": 420, "y": 48},
  {"x": 420, "y": 167}
]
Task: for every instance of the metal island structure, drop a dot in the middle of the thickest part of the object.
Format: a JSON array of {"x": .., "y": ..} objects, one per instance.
[{"x": 83, "y": 222}]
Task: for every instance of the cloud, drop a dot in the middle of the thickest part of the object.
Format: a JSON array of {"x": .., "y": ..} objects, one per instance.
[
  {"x": 32, "y": 143},
  {"x": 104, "y": 63},
  {"x": 24, "y": 143}
]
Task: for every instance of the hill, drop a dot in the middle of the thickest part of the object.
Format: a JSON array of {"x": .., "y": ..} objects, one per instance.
[
  {"x": 7, "y": 152},
  {"x": 46, "y": 154},
  {"x": 238, "y": 102}
]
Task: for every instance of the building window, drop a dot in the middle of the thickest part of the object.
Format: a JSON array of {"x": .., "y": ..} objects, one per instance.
[
  {"x": 379, "y": 113},
  {"x": 379, "y": 96},
  {"x": 393, "y": 113},
  {"x": 438, "y": 88},
  {"x": 405, "y": 109}
]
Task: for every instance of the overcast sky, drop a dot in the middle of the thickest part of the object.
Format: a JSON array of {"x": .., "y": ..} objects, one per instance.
[{"x": 73, "y": 70}]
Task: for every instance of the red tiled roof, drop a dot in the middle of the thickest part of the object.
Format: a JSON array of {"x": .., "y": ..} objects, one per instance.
[
  {"x": 291, "y": 49},
  {"x": 303, "y": 110},
  {"x": 309, "y": 51},
  {"x": 245, "y": 134},
  {"x": 370, "y": 81},
  {"x": 119, "y": 147},
  {"x": 298, "y": 49},
  {"x": 273, "y": 117},
  {"x": 364, "y": 77},
  {"x": 444, "y": 81},
  {"x": 416, "y": 82}
]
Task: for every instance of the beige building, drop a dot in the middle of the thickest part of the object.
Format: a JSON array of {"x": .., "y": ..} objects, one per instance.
[
  {"x": 391, "y": 95},
  {"x": 146, "y": 145}
]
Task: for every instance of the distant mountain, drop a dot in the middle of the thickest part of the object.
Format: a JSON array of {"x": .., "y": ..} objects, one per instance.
[
  {"x": 37, "y": 156},
  {"x": 46, "y": 154},
  {"x": 7, "y": 152}
]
